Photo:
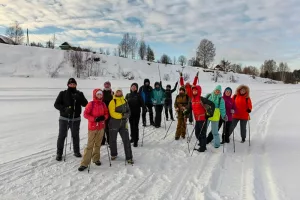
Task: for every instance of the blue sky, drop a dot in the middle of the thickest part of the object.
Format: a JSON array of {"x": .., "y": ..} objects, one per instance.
[{"x": 243, "y": 31}]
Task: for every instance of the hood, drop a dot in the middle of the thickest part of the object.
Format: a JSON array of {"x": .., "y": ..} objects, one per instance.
[
  {"x": 168, "y": 87},
  {"x": 237, "y": 92},
  {"x": 136, "y": 85},
  {"x": 198, "y": 87},
  {"x": 219, "y": 87},
  {"x": 187, "y": 84},
  {"x": 94, "y": 95},
  {"x": 224, "y": 95},
  {"x": 146, "y": 80},
  {"x": 155, "y": 84}
]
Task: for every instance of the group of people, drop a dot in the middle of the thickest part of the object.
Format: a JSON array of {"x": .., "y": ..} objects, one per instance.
[{"x": 109, "y": 112}]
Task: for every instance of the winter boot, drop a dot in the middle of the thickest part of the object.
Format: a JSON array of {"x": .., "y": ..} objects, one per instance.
[
  {"x": 243, "y": 140},
  {"x": 113, "y": 157},
  {"x": 183, "y": 137},
  {"x": 130, "y": 161},
  {"x": 59, "y": 157},
  {"x": 78, "y": 155},
  {"x": 131, "y": 140},
  {"x": 98, "y": 163},
  {"x": 135, "y": 144},
  {"x": 176, "y": 138},
  {"x": 81, "y": 168},
  {"x": 222, "y": 142},
  {"x": 202, "y": 149}
]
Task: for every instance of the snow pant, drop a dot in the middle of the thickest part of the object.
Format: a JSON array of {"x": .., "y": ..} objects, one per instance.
[
  {"x": 181, "y": 126},
  {"x": 92, "y": 151},
  {"x": 168, "y": 108},
  {"x": 64, "y": 126},
  {"x": 149, "y": 106},
  {"x": 119, "y": 126},
  {"x": 243, "y": 127},
  {"x": 158, "y": 112},
  {"x": 215, "y": 132},
  {"x": 191, "y": 117},
  {"x": 200, "y": 132},
  {"x": 106, "y": 132},
  {"x": 134, "y": 121},
  {"x": 226, "y": 131}
]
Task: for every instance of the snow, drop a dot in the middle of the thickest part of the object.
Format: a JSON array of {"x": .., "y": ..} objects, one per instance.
[{"x": 164, "y": 168}]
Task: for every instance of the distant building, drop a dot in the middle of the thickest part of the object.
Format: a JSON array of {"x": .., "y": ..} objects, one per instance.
[
  {"x": 219, "y": 67},
  {"x": 6, "y": 40},
  {"x": 66, "y": 46}
]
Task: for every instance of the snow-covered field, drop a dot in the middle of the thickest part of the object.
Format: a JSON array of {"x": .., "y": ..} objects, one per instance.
[{"x": 163, "y": 169}]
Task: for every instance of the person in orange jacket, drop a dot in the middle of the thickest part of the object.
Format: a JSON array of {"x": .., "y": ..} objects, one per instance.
[
  {"x": 188, "y": 89},
  {"x": 243, "y": 108}
]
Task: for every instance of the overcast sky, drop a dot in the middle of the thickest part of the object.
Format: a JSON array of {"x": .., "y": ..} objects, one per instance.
[{"x": 243, "y": 31}]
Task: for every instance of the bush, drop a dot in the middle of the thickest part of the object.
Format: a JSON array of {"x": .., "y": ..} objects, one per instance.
[
  {"x": 166, "y": 77},
  {"x": 128, "y": 75}
]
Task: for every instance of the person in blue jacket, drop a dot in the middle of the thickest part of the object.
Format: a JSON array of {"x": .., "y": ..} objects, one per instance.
[
  {"x": 158, "y": 100},
  {"x": 146, "y": 92}
]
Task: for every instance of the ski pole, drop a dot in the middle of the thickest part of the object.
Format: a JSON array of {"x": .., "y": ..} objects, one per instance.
[
  {"x": 72, "y": 124},
  {"x": 233, "y": 142},
  {"x": 108, "y": 154},
  {"x": 192, "y": 134},
  {"x": 66, "y": 144},
  {"x": 143, "y": 135},
  {"x": 168, "y": 130},
  {"x": 186, "y": 129},
  {"x": 249, "y": 131},
  {"x": 204, "y": 123},
  {"x": 165, "y": 120},
  {"x": 223, "y": 135}
]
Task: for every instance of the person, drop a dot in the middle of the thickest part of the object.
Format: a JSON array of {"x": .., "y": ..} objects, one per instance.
[
  {"x": 230, "y": 109},
  {"x": 158, "y": 99},
  {"x": 182, "y": 103},
  {"x": 69, "y": 103},
  {"x": 135, "y": 103},
  {"x": 188, "y": 89},
  {"x": 220, "y": 110},
  {"x": 119, "y": 112},
  {"x": 107, "y": 97},
  {"x": 243, "y": 104},
  {"x": 168, "y": 101},
  {"x": 198, "y": 107},
  {"x": 96, "y": 113},
  {"x": 146, "y": 93}
]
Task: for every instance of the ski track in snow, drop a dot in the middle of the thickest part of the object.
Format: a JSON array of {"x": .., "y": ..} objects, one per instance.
[{"x": 164, "y": 169}]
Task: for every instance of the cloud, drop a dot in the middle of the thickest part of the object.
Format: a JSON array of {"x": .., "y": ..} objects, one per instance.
[{"x": 241, "y": 30}]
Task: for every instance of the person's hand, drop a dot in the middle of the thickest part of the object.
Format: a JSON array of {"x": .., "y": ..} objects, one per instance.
[
  {"x": 69, "y": 110},
  {"x": 225, "y": 118},
  {"x": 248, "y": 110},
  {"x": 232, "y": 111},
  {"x": 100, "y": 118}
]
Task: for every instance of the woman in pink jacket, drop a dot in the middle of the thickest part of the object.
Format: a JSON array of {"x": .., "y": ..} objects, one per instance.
[{"x": 96, "y": 113}]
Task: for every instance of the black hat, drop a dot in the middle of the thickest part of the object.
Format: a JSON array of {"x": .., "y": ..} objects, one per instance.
[
  {"x": 136, "y": 85},
  {"x": 168, "y": 86},
  {"x": 72, "y": 80},
  {"x": 147, "y": 81},
  {"x": 156, "y": 83}
]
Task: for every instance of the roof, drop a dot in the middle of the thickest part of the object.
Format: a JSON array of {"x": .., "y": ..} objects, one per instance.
[
  {"x": 6, "y": 39},
  {"x": 66, "y": 44}
]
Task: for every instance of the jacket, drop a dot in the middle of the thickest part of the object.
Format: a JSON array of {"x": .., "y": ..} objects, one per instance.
[
  {"x": 182, "y": 102},
  {"x": 66, "y": 99},
  {"x": 146, "y": 92},
  {"x": 135, "y": 103},
  {"x": 119, "y": 108},
  {"x": 95, "y": 108},
  {"x": 158, "y": 96},
  {"x": 242, "y": 103},
  {"x": 188, "y": 87},
  {"x": 197, "y": 105},
  {"x": 229, "y": 105},
  {"x": 107, "y": 96},
  {"x": 219, "y": 104},
  {"x": 168, "y": 93}
]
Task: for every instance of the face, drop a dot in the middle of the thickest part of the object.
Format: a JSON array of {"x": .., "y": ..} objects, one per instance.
[
  {"x": 195, "y": 92},
  {"x": 217, "y": 92},
  {"x": 157, "y": 86},
  {"x": 181, "y": 91},
  {"x": 99, "y": 96},
  {"x": 147, "y": 83},
  {"x": 243, "y": 91},
  {"x": 133, "y": 88},
  {"x": 168, "y": 88},
  {"x": 119, "y": 93},
  {"x": 72, "y": 85},
  {"x": 228, "y": 93}
]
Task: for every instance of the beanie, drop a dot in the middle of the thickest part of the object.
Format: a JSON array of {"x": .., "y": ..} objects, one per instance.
[{"x": 72, "y": 80}]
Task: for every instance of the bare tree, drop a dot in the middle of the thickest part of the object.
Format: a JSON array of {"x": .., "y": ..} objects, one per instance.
[
  {"x": 268, "y": 66},
  {"x": 165, "y": 59},
  {"x": 150, "y": 54},
  {"x": 225, "y": 64},
  {"x": 133, "y": 44},
  {"x": 101, "y": 50},
  {"x": 16, "y": 33},
  {"x": 107, "y": 52},
  {"x": 283, "y": 69},
  {"x": 50, "y": 44},
  {"x": 182, "y": 60},
  {"x": 250, "y": 70},
  {"x": 174, "y": 60},
  {"x": 125, "y": 45},
  {"x": 206, "y": 53},
  {"x": 142, "y": 49},
  {"x": 115, "y": 53},
  {"x": 77, "y": 62},
  {"x": 53, "y": 41},
  {"x": 237, "y": 68}
]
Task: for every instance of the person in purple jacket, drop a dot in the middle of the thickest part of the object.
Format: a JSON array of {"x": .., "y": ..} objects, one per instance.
[{"x": 230, "y": 109}]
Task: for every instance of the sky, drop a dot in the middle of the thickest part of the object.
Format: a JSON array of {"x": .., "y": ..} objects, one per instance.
[{"x": 246, "y": 32}]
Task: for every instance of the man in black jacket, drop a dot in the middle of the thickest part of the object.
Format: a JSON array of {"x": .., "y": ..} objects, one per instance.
[
  {"x": 135, "y": 102},
  {"x": 168, "y": 101},
  {"x": 107, "y": 97},
  {"x": 69, "y": 103},
  {"x": 146, "y": 93}
]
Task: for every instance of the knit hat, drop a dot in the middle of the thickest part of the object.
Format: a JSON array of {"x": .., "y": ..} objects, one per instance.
[
  {"x": 169, "y": 86},
  {"x": 118, "y": 89},
  {"x": 72, "y": 80},
  {"x": 136, "y": 85},
  {"x": 107, "y": 84},
  {"x": 228, "y": 88},
  {"x": 146, "y": 81},
  {"x": 99, "y": 92},
  {"x": 182, "y": 88}
]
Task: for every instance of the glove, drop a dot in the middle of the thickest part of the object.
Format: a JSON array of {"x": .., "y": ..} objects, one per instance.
[
  {"x": 232, "y": 111},
  {"x": 69, "y": 110},
  {"x": 225, "y": 118},
  {"x": 76, "y": 96},
  {"x": 100, "y": 118},
  {"x": 248, "y": 110},
  {"x": 197, "y": 74},
  {"x": 180, "y": 73}
]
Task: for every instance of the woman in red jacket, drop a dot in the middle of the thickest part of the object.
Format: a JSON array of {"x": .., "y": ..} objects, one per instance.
[
  {"x": 96, "y": 113},
  {"x": 188, "y": 89},
  {"x": 243, "y": 108}
]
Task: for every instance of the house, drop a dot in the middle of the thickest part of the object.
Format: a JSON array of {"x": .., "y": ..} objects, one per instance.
[
  {"x": 66, "y": 46},
  {"x": 6, "y": 40},
  {"x": 219, "y": 67}
]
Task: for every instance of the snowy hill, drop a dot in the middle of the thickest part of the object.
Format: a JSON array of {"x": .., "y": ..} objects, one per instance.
[{"x": 23, "y": 61}]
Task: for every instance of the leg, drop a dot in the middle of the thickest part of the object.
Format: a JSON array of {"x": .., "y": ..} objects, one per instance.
[
  {"x": 202, "y": 136},
  {"x": 136, "y": 125},
  {"x": 106, "y": 133},
  {"x": 198, "y": 126},
  {"x": 144, "y": 117},
  {"x": 183, "y": 128},
  {"x": 97, "y": 145},
  {"x": 233, "y": 125},
  {"x": 150, "y": 114},
  {"x": 156, "y": 115},
  {"x": 113, "y": 132},
  {"x": 63, "y": 131},
  {"x": 88, "y": 150},
  {"x": 171, "y": 112},
  {"x": 179, "y": 125},
  {"x": 160, "y": 109},
  {"x": 209, "y": 138},
  {"x": 191, "y": 117},
  {"x": 228, "y": 127},
  {"x": 166, "y": 110},
  {"x": 75, "y": 136},
  {"x": 215, "y": 132},
  {"x": 132, "y": 127},
  {"x": 125, "y": 138},
  {"x": 243, "y": 125}
]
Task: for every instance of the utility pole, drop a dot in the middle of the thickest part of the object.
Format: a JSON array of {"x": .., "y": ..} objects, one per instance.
[{"x": 27, "y": 38}]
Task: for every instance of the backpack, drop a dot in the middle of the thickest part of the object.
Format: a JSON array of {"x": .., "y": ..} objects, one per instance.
[
  {"x": 209, "y": 108},
  {"x": 219, "y": 99}
]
